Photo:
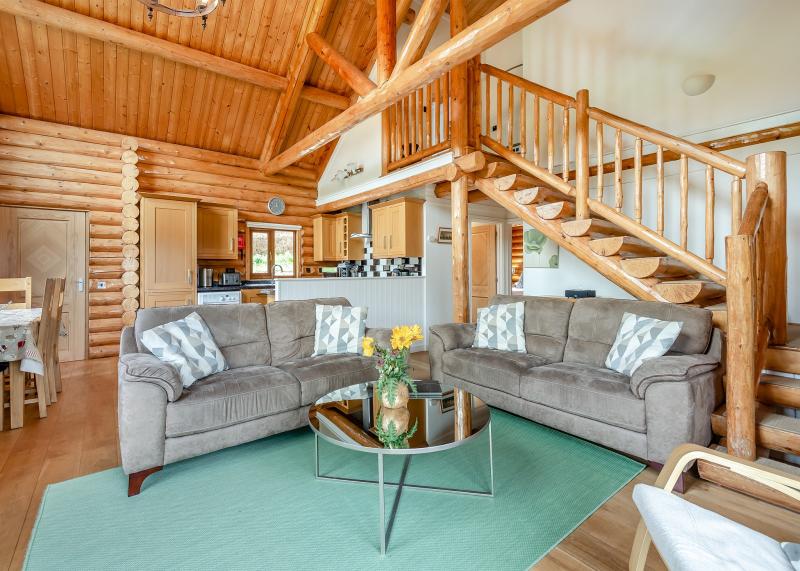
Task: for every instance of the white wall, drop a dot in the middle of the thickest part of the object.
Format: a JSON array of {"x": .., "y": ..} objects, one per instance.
[{"x": 637, "y": 71}]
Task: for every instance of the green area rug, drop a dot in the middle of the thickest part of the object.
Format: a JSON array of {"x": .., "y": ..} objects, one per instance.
[{"x": 259, "y": 506}]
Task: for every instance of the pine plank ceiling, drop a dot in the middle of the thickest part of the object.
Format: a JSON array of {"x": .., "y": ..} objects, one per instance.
[{"x": 58, "y": 75}]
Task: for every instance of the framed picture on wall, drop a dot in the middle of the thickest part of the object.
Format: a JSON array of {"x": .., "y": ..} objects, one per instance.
[
  {"x": 444, "y": 235},
  {"x": 539, "y": 251}
]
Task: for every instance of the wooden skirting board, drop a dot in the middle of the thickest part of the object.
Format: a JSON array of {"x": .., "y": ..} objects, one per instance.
[{"x": 48, "y": 165}]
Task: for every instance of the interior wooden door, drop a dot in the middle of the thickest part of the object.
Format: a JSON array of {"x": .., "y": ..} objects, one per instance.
[
  {"x": 50, "y": 243},
  {"x": 483, "y": 266}
]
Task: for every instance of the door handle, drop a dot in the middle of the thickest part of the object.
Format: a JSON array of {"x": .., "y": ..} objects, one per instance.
[
  {"x": 80, "y": 285},
  {"x": 231, "y": 243},
  {"x": 189, "y": 276}
]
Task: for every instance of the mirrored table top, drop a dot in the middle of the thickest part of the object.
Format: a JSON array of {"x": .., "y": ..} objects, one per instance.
[{"x": 432, "y": 420}]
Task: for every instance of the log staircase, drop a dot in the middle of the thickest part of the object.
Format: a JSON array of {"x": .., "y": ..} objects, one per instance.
[{"x": 643, "y": 213}]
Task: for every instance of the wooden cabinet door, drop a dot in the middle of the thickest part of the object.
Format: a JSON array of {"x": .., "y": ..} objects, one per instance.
[
  {"x": 170, "y": 299},
  {"x": 169, "y": 246},
  {"x": 217, "y": 233},
  {"x": 330, "y": 245},
  {"x": 339, "y": 231},
  {"x": 380, "y": 233},
  {"x": 397, "y": 230},
  {"x": 319, "y": 239}
]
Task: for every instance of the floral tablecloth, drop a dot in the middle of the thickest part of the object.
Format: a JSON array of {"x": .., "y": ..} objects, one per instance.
[{"x": 18, "y": 338}]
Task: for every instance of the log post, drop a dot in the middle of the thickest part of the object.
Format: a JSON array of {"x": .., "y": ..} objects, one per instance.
[
  {"x": 387, "y": 57},
  {"x": 459, "y": 113},
  {"x": 770, "y": 168},
  {"x": 740, "y": 390},
  {"x": 582, "y": 154}
]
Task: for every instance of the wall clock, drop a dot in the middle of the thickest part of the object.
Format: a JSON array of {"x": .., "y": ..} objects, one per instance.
[{"x": 276, "y": 206}]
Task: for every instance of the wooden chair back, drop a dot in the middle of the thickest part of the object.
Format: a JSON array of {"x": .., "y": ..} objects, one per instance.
[
  {"x": 50, "y": 324},
  {"x": 12, "y": 286}
]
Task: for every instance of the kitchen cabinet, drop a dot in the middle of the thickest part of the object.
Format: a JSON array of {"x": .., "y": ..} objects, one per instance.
[
  {"x": 168, "y": 234},
  {"x": 252, "y": 295},
  {"x": 397, "y": 228},
  {"x": 217, "y": 232},
  {"x": 332, "y": 241}
]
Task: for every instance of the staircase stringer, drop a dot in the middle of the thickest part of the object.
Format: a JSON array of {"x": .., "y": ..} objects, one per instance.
[
  {"x": 620, "y": 219},
  {"x": 609, "y": 267}
]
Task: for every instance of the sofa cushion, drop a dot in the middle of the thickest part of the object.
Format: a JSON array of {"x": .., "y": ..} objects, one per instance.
[
  {"x": 325, "y": 373},
  {"x": 594, "y": 323},
  {"x": 584, "y": 390},
  {"x": 498, "y": 370},
  {"x": 239, "y": 330},
  {"x": 291, "y": 326},
  {"x": 231, "y": 397},
  {"x": 546, "y": 324}
]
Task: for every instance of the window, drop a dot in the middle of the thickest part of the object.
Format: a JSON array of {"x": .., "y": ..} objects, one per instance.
[{"x": 272, "y": 253}]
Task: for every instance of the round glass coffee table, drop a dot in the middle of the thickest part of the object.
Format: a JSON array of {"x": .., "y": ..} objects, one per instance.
[{"x": 446, "y": 417}]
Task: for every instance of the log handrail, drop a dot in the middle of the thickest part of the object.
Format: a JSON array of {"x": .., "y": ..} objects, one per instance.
[
  {"x": 677, "y": 145},
  {"x": 550, "y": 94}
]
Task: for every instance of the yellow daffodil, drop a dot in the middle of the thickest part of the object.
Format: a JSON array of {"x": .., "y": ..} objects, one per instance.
[
  {"x": 403, "y": 336},
  {"x": 416, "y": 332},
  {"x": 368, "y": 344}
]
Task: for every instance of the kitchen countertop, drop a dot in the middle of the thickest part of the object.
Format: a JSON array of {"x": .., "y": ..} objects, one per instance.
[
  {"x": 349, "y": 278},
  {"x": 244, "y": 285},
  {"x": 218, "y": 288}
]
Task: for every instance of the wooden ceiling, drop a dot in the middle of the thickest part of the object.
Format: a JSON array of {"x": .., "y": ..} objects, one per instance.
[{"x": 55, "y": 74}]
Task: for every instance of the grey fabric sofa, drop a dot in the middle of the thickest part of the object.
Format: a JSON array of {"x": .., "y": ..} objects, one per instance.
[
  {"x": 561, "y": 380},
  {"x": 271, "y": 382}
]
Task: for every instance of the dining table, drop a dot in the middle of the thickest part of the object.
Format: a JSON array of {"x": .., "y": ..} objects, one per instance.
[{"x": 18, "y": 348}]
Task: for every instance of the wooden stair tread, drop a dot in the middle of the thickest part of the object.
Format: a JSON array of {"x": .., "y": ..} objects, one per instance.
[
  {"x": 594, "y": 227},
  {"x": 656, "y": 267},
  {"x": 622, "y": 246},
  {"x": 554, "y": 210},
  {"x": 536, "y": 195},
  {"x": 773, "y": 430},
  {"x": 516, "y": 182},
  {"x": 779, "y": 390},
  {"x": 780, "y": 380},
  {"x": 783, "y": 358},
  {"x": 700, "y": 292}
]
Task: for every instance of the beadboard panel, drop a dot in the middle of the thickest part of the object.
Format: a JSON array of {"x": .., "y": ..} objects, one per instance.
[{"x": 390, "y": 301}]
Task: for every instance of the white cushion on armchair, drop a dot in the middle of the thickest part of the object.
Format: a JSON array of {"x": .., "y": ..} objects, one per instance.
[{"x": 690, "y": 538}]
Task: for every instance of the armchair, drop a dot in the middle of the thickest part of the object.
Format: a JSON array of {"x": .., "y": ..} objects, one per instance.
[{"x": 692, "y": 538}]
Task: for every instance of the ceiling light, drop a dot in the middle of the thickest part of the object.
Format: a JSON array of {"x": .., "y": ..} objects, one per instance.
[
  {"x": 698, "y": 84},
  {"x": 201, "y": 10}
]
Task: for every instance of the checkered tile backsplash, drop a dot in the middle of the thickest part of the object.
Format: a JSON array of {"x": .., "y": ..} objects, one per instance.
[{"x": 382, "y": 267}]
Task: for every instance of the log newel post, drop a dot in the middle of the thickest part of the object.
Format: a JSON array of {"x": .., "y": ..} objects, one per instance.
[
  {"x": 770, "y": 168},
  {"x": 581, "y": 155},
  {"x": 740, "y": 390}
]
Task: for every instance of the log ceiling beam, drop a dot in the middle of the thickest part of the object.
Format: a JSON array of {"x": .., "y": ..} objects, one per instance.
[
  {"x": 299, "y": 67},
  {"x": 343, "y": 67},
  {"x": 96, "y": 29},
  {"x": 420, "y": 35},
  {"x": 510, "y": 17}
]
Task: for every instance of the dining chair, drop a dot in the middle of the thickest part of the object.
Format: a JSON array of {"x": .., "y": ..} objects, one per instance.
[
  {"x": 12, "y": 286},
  {"x": 49, "y": 329}
]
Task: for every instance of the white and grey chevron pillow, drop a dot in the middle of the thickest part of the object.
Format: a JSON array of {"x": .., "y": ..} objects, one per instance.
[
  {"x": 501, "y": 327},
  {"x": 638, "y": 339},
  {"x": 339, "y": 329},
  {"x": 188, "y": 345}
]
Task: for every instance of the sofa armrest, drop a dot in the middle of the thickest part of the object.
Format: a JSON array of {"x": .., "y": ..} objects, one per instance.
[
  {"x": 381, "y": 335},
  {"x": 454, "y": 335},
  {"x": 445, "y": 338},
  {"x": 146, "y": 368},
  {"x": 127, "y": 341},
  {"x": 670, "y": 368}
]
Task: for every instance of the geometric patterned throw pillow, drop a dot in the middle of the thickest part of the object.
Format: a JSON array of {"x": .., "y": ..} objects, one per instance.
[
  {"x": 188, "y": 345},
  {"x": 501, "y": 327},
  {"x": 339, "y": 329},
  {"x": 638, "y": 339}
]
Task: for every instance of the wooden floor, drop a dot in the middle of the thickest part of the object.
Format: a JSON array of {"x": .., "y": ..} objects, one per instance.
[{"x": 80, "y": 437}]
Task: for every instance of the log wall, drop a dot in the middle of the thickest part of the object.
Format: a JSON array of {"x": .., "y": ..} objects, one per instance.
[{"x": 49, "y": 165}]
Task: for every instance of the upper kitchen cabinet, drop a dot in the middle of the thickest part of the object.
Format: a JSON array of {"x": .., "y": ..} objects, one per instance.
[
  {"x": 397, "y": 229},
  {"x": 332, "y": 241},
  {"x": 168, "y": 251},
  {"x": 217, "y": 232}
]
